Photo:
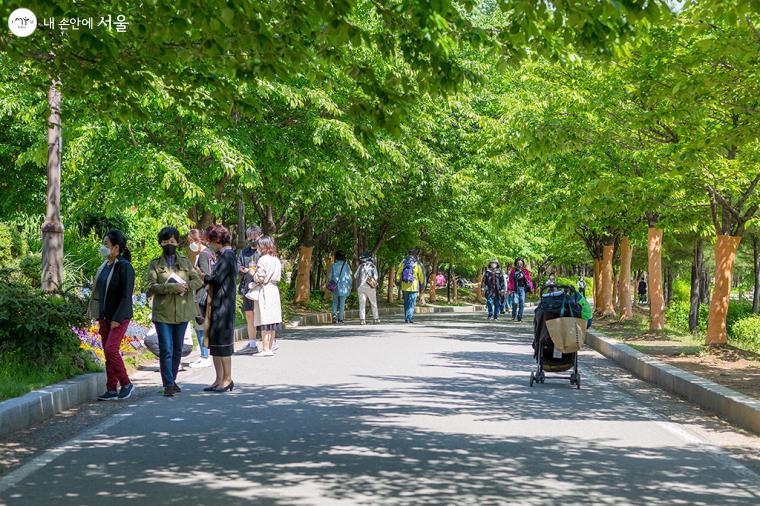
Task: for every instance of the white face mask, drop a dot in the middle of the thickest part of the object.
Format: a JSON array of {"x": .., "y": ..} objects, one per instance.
[
  {"x": 104, "y": 251},
  {"x": 194, "y": 247}
]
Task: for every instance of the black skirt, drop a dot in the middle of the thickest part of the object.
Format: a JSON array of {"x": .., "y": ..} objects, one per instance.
[{"x": 269, "y": 327}]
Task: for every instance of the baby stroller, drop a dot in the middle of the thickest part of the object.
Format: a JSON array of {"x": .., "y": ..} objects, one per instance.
[{"x": 556, "y": 301}]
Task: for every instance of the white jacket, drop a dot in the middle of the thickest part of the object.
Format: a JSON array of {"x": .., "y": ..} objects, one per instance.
[{"x": 267, "y": 309}]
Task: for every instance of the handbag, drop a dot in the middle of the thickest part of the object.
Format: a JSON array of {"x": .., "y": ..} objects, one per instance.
[
  {"x": 568, "y": 333},
  {"x": 333, "y": 285},
  {"x": 255, "y": 291},
  {"x": 372, "y": 282}
]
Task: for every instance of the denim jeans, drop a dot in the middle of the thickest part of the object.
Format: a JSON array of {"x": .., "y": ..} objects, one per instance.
[
  {"x": 518, "y": 301},
  {"x": 170, "y": 340},
  {"x": 204, "y": 350},
  {"x": 410, "y": 299},
  {"x": 503, "y": 303},
  {"x": 493, "y": 302},
  {"x": 339, "y": 299}
]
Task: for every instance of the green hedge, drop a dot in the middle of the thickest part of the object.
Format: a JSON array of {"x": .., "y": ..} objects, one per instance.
[{"x": 745, "y": 333}]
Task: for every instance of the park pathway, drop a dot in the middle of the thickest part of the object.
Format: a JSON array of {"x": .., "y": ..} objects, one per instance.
[{"x": 434, "y": 413}]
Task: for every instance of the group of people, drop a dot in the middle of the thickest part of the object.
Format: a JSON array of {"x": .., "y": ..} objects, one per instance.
[
  {"x": 410, "y": 275},
  {"x": 200, "y": 287},
  {"x": 500, "y": 288}
]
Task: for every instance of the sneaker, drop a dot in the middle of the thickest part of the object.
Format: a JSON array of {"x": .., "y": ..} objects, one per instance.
[
  {"x": 109, "y": 395},
  {"x": 177, "y": 389},
  {"x": 266, "y": 354},
  {"x": 489, "y": 317},
  {"x": 376, "y": 322},
  {"x": 126, "y": 391},
  {"x": 248, "y": 350},
  {"x": 181, "y": 367},
  {"x": 201, "y": 362},
  {"x": 341, "y": 322},
  {"x": 334, "y": 319},
  {"x": 362, "y": 322},
  {"x": 169, "y": 391}
]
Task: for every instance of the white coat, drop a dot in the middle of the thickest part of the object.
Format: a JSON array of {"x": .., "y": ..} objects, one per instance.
[{"x": 267, "y": 310}]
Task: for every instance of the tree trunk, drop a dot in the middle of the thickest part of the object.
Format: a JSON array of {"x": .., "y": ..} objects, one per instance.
[
  {"x": 391, "y": 282},
  {"x": 305, "y": 250},
  {"x": 696, "y": 282},
  {"x": 756, "y": 264},
  {"x": 303, "y": 288},
  {"x": 52, "y": 228},
  {"x": 328, "y": 265},
  {"x": 454, "y": 288},
  {"x": 479, "y": 291},
  {"x": 626, "y": 303},
  {"x": 654, "y": 284},
  {"x": 240, "y": 227},
  {"x": 432, "y": 282},
  {"x": 597, "y": 286},
  {"x": 607, "y": 307},
  {"x": 725, "y": 256},
  {"x": 668, "y": 289}
]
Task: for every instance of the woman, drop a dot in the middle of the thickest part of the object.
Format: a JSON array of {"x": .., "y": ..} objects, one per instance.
[
  {"x": 247, "y": 259},
  {"x": 172, "y": 282},
  {"x": 220, "y": 323},
  {"x": 518, "y": 285},
  {"x": 203, "y": 260},
  {"x": 366, "y": 282},
  {"x": 339, "y": 284},
  {"x": 111, "y": 305},
  {"x": 267, "y": 311}
]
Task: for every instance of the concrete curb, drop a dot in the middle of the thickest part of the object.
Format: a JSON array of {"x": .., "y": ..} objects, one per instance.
[
  {"x": 740, "y": 409},
  {"x": 21, "y": 412}
]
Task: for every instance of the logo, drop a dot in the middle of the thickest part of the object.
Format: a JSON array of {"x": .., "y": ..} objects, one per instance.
[{"x": 22, "y": 22}]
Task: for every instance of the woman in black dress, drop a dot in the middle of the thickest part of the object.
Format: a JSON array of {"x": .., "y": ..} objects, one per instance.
[{"x": 221, "y": 316}]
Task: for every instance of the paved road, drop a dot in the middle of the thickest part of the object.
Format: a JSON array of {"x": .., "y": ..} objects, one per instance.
[{"x": 435, "y": 413}]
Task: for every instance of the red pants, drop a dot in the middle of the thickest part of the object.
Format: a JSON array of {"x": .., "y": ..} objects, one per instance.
[{"x": 111, "y": 338}]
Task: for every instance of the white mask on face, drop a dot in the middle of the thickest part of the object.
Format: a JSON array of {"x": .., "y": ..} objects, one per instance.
[
  {"x": 104, "y": 251},
  {"x": 194, "y": 247}
]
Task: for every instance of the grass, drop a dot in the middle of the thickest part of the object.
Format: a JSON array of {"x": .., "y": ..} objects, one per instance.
[{"x": 18, "y": 377}]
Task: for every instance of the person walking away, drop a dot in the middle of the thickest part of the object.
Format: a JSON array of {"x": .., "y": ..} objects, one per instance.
[
  {"x": 411, "y": 278},
  {"x": 266, "y": 294},
  {"x": 339, "y": 283},
  {"x": 519, "y": 284},
  {"x": 366, "y": 282},
  {"x": 493, "y": 286},
  {"x": 642, "y": 291},
  {"x": 111, "y": 305},
  {"x": 220, "y": 315},
  {"x": 172, "y": 282},
  {"x": 203, "y": 260},
  {"x": 247, "y": 260},
  {"x": 582, "y": 286}
]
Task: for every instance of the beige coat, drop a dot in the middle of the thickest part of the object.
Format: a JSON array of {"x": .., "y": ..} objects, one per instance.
[{"x": 267, "y": 310}]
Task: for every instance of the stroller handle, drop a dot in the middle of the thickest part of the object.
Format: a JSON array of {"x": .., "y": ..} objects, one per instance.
[{"x": 566, "y": 288}]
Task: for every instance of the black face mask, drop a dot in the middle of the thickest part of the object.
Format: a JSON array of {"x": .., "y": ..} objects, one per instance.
[
  {"x": 254, "y": 243},
  {"x": 169, "y": 249}
]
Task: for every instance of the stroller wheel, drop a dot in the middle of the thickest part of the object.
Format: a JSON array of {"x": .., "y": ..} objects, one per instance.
[{"x": 531, "y": 379}]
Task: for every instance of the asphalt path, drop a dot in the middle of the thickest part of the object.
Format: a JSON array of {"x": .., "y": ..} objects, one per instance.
[{"x": 438, "y": 412}]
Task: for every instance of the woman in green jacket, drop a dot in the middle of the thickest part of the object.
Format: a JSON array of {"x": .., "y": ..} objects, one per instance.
[{"x": 172, "y": 281}]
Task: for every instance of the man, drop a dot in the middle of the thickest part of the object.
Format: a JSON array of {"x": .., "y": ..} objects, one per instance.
[
  {"x": 493, "y": 288},
  {"x": 411, "y": 277},
  {"x": 246, "y": 261},
  {"x": 582, "y": 286}
]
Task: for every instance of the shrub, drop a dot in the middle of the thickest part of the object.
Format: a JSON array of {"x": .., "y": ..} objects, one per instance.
[
  {"x": 37, "y": 327},
  {"x": 6, "y": 245},
  {"x": 31, "y": 268},
  {"x": 745, "y": 333}
]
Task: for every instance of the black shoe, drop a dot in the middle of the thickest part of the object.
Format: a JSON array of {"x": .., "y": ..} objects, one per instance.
[
  {"x": 335, "y": 319},
  {"x": 169, "y": 391},
  {"x": 519, "y": 320},
  {"x": 209, "y": 388},
  {"x": 177, "y": 389},
  {"x": 228, "y": 388},
  {"x": 126, "y": 391},
  {"x": 109, "y": 395}
]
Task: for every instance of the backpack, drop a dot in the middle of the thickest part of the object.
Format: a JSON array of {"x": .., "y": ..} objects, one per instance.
[{"x": 407, "y": 275}]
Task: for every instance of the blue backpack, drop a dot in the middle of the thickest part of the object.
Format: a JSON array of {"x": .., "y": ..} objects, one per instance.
[{"x": 407, "y": 275}]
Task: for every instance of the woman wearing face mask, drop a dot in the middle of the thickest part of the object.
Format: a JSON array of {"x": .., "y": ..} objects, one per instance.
[
  {"x": 200, "y": 256},
  {"x": 247, "y": 259},
  {"x": 220, "y": 321},
  {"x": 111, "y": 305},
  {"x": 172, "y": 281}
]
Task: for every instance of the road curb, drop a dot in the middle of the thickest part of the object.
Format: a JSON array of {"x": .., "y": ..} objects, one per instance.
[
  {"x": 736, "y": 407},
  {"x": 22, "y": 412}
]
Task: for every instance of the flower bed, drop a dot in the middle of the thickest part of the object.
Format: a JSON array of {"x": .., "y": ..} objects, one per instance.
[{"x": 131, "y": 345}]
